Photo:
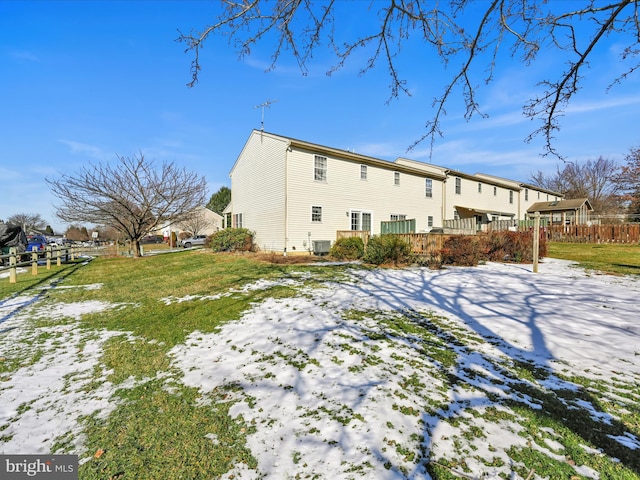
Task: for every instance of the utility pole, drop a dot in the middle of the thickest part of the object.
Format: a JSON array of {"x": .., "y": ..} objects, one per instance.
[{"x": 262, "y": 106}]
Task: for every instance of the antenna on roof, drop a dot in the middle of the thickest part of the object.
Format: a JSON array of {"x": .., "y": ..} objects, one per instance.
[{"x": 262, "y": 105}]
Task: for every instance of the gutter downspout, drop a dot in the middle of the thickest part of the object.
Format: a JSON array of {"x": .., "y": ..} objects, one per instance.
[
  {"x": 444, "y": 196},
  {"x": 286, "y": 196},
  {"x": 520, "y": 201}
]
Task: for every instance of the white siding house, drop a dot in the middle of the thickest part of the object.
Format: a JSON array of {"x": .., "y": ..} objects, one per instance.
[
  {"x": 484, "y": 198},
  {"x": 202, "y": 222},
  {"x": 292, "y": 192}
]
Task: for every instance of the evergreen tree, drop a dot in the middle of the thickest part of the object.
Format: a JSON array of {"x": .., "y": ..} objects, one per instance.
[{"x": 219, "y": 200}]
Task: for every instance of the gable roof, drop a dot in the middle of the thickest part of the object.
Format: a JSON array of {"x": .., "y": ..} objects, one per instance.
[
  {"x": 364, "y": 159},
  {"x": 560, "y": 206},
  {"x": 339, "y": 153},
  {"x": 401, "y": 164},
  {"x": 519, "y": 185}
]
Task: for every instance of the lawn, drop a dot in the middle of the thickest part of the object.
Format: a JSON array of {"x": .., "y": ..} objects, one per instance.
[
  {"x": 618, "y": 259},
  {"x": 195, "y": 365}
]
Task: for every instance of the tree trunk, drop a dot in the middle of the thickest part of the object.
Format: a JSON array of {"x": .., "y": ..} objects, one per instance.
[{"x": 136, "y": 248}]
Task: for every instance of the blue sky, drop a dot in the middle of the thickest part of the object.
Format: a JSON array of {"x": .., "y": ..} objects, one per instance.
[{"x": 82, "y": 82}]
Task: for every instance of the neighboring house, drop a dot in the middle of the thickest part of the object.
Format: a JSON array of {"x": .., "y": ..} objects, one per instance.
[
  {"x": 291, "y": 193},
  {"x": 202, "y": 222},
  {"x": 576, "y": 211},
  {"x": 483, "y": 199}
]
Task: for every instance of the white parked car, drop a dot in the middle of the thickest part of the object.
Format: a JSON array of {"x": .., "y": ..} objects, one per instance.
[{"x": 192, "y": 241}]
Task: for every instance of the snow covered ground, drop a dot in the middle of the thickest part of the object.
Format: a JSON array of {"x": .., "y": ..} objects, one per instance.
[{"x": 340, "y": 383}]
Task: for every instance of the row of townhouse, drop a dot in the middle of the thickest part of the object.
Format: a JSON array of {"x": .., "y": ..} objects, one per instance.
[{"x": 292, "y": 192}]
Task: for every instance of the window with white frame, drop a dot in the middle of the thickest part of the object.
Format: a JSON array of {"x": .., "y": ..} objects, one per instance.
[
  {"x": 495, "y": 191},
  {"x": 237, "y": 220},
  {"x": 428, "y": 188},
  {"x": 396, "y": 178},
  {"x": 316, "y": 214},
  {"x": 320, "y": 169},
  {"x": 396, "y": 216},
  {"x": 510, "y": 196},
  {"x": 363, "y": 172},
  {"x": 526, "y": 194},
  {"x": 430, "y": 221},
  {"x": 458, "y": 185},
  {"x": 479, "y": 187},
  {"x": 360, "y": 220}
]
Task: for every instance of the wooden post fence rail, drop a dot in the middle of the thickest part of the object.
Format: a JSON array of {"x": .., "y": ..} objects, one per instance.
[{"x": 15, "y": 259}]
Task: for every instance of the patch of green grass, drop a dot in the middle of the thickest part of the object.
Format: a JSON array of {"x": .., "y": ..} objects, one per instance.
[
  {"x": 10, "y": 363},
  {"x": 607, "y": 258},
  {"x": 544, "y": 466},
  {"x": 157, "y": 434},
  {"x": 126, "y": 280},
  {"x": 133, "y": 358}
]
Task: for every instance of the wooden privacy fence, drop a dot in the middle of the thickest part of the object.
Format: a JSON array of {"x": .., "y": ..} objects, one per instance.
[
  {"x": 428, "y": 244},
  {"x": 398, "y": 226},
  {"x": 363, "y": 234},
  {"x": 622, "y": 233},
  {"x": 469, "y": 226},
  {"x": 431, "y": 244}
]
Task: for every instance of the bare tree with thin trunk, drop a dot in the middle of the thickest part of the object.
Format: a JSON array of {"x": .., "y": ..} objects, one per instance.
[
  {"x": 468, "y": 36},
  {"x": 134, "y": 196}
]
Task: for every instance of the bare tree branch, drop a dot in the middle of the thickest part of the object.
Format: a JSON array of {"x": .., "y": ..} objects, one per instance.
[
  {"x": 471, "y": 32},
  {"x": 559, "y": 93}
]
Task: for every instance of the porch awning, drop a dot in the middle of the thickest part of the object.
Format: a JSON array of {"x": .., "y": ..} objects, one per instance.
[{"x": 470, "y": 212}]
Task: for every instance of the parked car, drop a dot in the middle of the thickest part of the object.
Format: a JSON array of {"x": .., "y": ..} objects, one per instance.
[
  {"x": 192, "y": 241},
  {"x": 152, "y": 239},
  {"x": 39, "y": 241}
]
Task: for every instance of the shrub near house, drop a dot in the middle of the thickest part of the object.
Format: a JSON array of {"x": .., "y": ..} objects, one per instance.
[
  {"x": 380, "y": 249},
  {"x": 349, "y": 248},
  {"x": 461, "y": 250},
  {"x": 469, "y": 250},
  {"x": 387, "y": 248},
  {"x": 232, "y": 240}
]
